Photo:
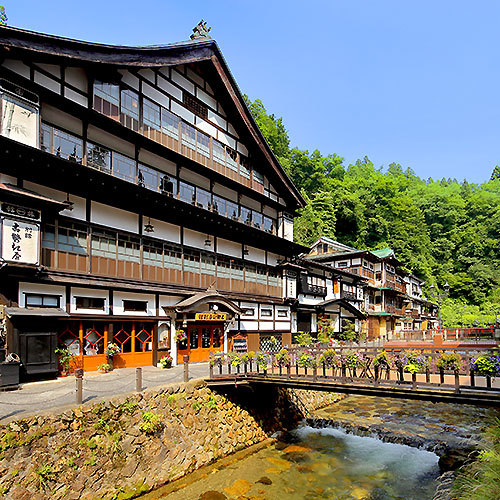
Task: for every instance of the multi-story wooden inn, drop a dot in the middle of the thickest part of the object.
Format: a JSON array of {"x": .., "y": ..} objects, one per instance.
[
  {"x": 393, "y": 298},
  {"x": 138, "y": 197}
]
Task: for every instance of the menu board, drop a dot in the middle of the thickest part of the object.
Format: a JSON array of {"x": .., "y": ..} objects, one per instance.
[{"x": 20, "y": 241}]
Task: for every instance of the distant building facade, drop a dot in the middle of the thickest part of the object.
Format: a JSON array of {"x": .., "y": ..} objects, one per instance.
[{"x": 392, "y": 298}]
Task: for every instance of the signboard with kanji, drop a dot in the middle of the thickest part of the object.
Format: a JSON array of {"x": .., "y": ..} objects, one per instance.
[
  {"x": 210, "y": 317},
  {"x": 20, "y": 241}
]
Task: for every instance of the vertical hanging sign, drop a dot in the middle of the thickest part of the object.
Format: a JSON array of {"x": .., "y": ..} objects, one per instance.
[{"x": 20, "y": 241}]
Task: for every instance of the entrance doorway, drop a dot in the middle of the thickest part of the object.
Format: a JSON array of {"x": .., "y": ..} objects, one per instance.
[{"x": 201, "y": 339}]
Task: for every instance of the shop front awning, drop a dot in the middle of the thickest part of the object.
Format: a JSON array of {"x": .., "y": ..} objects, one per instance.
[
  {"x": 46, "y": 312},
  {"x": 210, "y": 297},
  {"x": 343, "y": 304}
]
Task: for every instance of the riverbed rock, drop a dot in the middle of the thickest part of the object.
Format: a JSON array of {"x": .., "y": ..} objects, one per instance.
[
  {"x": 265, "y": 480},
  {"x": 212, "y": 495}
]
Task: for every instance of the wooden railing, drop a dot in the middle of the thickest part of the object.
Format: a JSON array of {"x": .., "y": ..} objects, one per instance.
[
  {"x": 474, "y": 334},
  {"x": 355, "y": 366}
]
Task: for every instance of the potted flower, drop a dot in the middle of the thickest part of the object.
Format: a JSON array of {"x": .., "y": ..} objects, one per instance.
[
  {"x": 65, "y": 358},
  {"x": 449, "y": 361},
  {"x": 283, "y": 358},
  {"x": 166, "y": 361},
  {"x": 104, "y": 367},
  {"x": 111, "y": 350},
  {"x": 329, "y": 358},
  {"x": 180, "y": 335}
]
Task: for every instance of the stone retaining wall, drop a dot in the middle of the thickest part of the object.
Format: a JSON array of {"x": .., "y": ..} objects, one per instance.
[{"x": 131, "y": 444}]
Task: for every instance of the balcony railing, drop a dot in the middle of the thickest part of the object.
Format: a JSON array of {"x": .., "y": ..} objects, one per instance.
[
  {"x": 348, "y": 295},
  {"x": 72, "y": 148},
  {"x": 164, "y": 127}
]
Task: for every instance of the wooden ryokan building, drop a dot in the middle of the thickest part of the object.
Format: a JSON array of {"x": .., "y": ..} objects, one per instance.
[{"x": 137, "y": 197}]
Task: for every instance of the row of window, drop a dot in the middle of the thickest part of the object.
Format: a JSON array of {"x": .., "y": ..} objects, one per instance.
[
  {"x": 70, "y": 147},
  {"x": 265, "y": 312},
  {"x": 96, "y": 303},
  {"x": 124, "y": 103},
  {"x": 73, "y": 238}
]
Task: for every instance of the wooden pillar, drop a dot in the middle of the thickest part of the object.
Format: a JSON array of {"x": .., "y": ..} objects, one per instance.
[{"x": 154, "y": 342}]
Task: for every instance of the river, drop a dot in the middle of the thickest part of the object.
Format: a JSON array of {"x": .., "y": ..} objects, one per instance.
[{"x": 328, "y": 463}]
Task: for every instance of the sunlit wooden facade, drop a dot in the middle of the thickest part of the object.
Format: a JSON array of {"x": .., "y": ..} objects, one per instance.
[
  {"x": 392, "y": 298},
  {"x": 152, "y": 183}
]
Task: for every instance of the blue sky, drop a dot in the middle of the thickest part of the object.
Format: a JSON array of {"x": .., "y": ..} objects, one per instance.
[{"x": 416, "y": 83}]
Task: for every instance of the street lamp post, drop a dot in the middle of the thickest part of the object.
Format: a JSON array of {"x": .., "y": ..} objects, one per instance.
[
  {"x": 439, "y": 296},
  {"x": 461, "y": 312}
]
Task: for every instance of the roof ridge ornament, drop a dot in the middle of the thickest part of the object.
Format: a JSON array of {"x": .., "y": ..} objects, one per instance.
[{"x": 200, "y": 31}]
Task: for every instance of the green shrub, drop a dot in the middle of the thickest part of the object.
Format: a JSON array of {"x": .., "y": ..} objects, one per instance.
[
  {"x": 449, "y": 361},
  {"x": 151, "y": 423}
]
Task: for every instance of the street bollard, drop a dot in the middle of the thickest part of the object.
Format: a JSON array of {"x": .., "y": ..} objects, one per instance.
[
  {"x": 185, "y": 360},
  {"x": 457, "y": 382},
  {"x": 138, "y": 379},
  {"x": 79, "y": 385},
  {"x": 210, "y": 364}
]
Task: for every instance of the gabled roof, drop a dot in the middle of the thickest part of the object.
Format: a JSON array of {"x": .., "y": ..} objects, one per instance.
[{"x": 50, "y": 48}]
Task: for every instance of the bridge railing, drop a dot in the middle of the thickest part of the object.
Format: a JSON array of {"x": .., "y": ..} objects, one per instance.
[{"x": 446, "y": 368}]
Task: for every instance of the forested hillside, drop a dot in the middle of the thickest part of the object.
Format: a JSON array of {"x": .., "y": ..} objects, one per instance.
[{"x": 442, "y": 230}]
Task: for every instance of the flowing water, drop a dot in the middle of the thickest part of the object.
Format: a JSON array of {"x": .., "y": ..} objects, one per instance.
[
  {"x": 328, "y": 463},
  {"x": 324, "y": 464}
]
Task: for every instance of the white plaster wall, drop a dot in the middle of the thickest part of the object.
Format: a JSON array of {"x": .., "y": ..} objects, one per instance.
[
  {"x": 130, "y": 79},
  {"x": 282, "y": 325},
  {"x": 250, "y": 203},
  {"x": 226, "y": 139},
  {"x": 88, "y": 292},
  {"x": 182, "y": 82},
  {"x": 47, "y": 82},
  {"x": 165, "y": 231},
  {"x": 256, "y": 255},
  {"x": 206, "y": 127},
  {"x": 194, "y": 178},
  {"x": 114, "y": 217},
  {"x": 266, "y": 326},
  {"x": 157, "y": 161},
  {"x": 246, "y": 326},
  {"x": 7, "y": 179},
  {"x": 293, "y": 323},
  {"x": 75, "y": 97},
  {"x": 111, "y": 141},
  {"x": 169, "y": 88},
  {"x": 17, "y": 66},
  {"x": 53, "y": 69},
  {"x": 79, "y": 204},
  {"x": 194, "y": 239},
  {"x": 195, "y": 77},
  {"x": 250, "y": 305},
  {"x": 119, "y": 297},
  {"x": 148, "y": 74},
  {"x": 182, "y": 112},
  {"x": 168, "y": 300},
  {"x": 41, "y": 288},
  {"x": 78, "y": 78},
  {"x": 155, "y": 95},
  {"x": 227, "y": 247},
  {"x": 225, "y": 192},
  {"x": 242, "y": 149},
  {"x": 356, "y": 262},
  {"x": 60, "y": 119},
  {"x": 273, "y": 258},
  {"x": 204, "y": 97},
  {"x": 308, "y": 299}
]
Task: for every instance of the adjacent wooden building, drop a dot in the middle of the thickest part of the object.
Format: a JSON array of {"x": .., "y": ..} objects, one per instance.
[{"x": 137, "y": 197}]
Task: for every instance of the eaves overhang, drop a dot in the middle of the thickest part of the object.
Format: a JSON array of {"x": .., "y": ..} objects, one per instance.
[{"x": 18, "y": 42}]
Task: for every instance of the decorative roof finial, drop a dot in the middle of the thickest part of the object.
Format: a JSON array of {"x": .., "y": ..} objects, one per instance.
[{"x": 200, "y": 31}]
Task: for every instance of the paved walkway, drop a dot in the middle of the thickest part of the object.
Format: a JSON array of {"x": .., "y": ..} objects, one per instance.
[{"x": 37, "y": 397}]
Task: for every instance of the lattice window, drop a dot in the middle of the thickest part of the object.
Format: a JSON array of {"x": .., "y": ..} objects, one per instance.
[
  {"x": 266, "y": 345},
  {"x": 193, "y": 104},
  {"x": 123, "y": 339},
  {"x": 142, "y": 339},
  {"x": 71, "y": 340},
  {"x": 93, "y": 342}
]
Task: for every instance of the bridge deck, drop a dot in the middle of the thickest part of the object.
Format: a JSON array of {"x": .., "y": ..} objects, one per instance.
[{"x": 387, "y": 388}]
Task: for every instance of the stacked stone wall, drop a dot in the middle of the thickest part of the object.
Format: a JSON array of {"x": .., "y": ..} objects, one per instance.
[{"x": 131, "y": 444}]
